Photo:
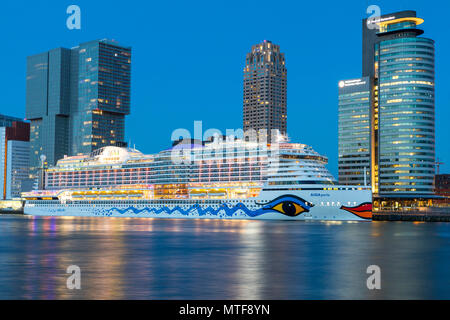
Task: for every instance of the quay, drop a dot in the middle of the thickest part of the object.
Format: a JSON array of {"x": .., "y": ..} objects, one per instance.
[
  {"x": 438, "y": 214},
  {"x": 11, "y": 206}
]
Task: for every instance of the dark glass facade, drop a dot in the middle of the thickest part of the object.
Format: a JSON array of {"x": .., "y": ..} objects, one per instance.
[
  {"x": 77, "y": 99},
  {"x": 103, "y": 96},
  {"x": 48, "y": 104}
]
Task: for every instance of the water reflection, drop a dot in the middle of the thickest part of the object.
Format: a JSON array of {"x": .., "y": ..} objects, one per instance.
[{"x": 197, "y": 259}]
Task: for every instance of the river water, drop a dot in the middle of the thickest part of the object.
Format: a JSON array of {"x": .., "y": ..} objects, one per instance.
[{"x": 132, "y": 258}]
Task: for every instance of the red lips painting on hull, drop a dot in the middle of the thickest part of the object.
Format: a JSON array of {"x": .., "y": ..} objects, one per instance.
[{"x": 363, "y": 211}]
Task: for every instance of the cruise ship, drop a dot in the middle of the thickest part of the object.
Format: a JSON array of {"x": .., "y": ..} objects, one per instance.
[{"x": 226, "y": 179}]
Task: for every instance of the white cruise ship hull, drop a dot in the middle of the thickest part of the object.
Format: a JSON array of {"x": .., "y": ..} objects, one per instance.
[{"x": 344, "y": 204}]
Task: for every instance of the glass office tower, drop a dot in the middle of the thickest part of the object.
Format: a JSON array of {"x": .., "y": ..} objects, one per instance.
[
  {"x": 48, "y": 104},
  {"x": 77, "y": 99},
  {"x": 354, "y": 131},
  {"x": 398, "y": 65},
  {"x": 104, "y": 77},
  {"x": 265, "y": 90},
  {"x": 404, "y": 110}
]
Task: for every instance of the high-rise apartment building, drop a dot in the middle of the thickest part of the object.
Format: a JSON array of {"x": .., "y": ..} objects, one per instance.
[
  {"x": 400, "y": 67},
  {"x": 77, "y": 99},
  {"x": 265, "y": 89},
  {"x": 14, "y": 157}
]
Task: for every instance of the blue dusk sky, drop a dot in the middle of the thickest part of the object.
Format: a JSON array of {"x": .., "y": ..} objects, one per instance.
[{"x": 188, "y": 58}]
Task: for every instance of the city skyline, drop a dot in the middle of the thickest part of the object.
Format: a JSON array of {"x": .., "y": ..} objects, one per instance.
[{"x": 312, "y": 121}]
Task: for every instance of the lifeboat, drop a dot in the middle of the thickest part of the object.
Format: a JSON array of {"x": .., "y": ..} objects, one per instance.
[{"x": 217, "y": 192}]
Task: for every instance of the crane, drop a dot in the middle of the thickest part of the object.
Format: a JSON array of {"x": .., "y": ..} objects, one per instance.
[{"x": 438, "y": 164}]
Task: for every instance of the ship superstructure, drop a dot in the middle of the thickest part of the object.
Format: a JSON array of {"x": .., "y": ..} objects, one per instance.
[{"x": 219, "y": 179}]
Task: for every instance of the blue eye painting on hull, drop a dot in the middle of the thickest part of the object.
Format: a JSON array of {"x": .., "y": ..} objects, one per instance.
[{"x": 288, "y": 205}]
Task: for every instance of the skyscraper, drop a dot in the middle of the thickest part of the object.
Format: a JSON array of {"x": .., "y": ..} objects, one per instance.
[
  {"x": 48, "y": 104},
  {"x": 14, "y": 157},
  {"x": 265, "y": 89},
  {"x": 77, "y": 99},
  {"x": 403, "y": 110},
  {"x": 354, "y": 131},
  {"x": 104, "y": 78},
  {"x": 399, "y": 65}
]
